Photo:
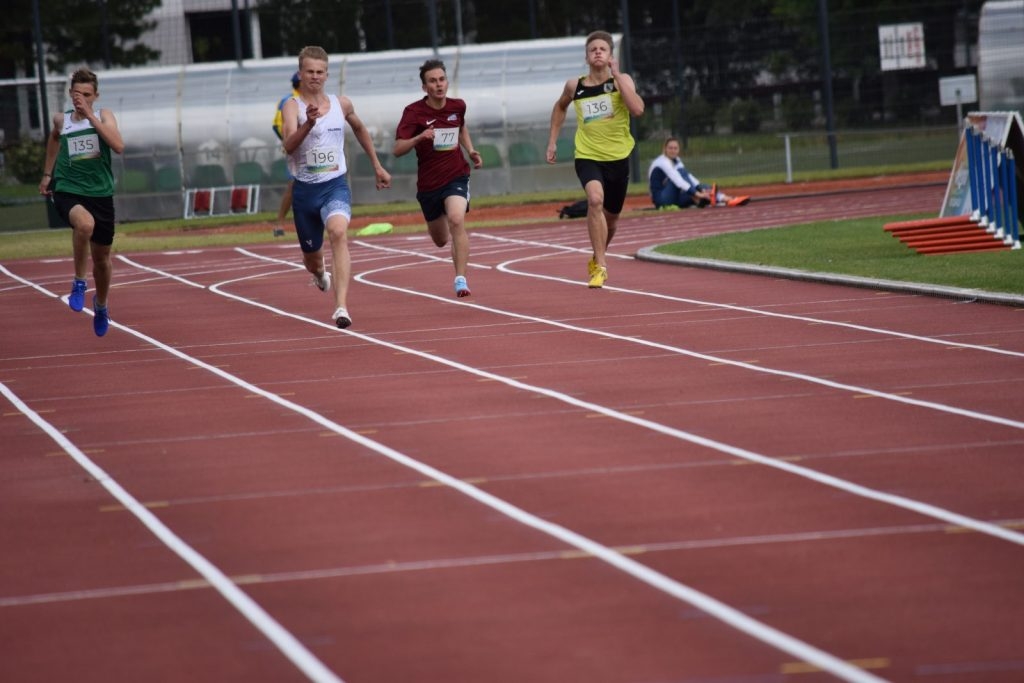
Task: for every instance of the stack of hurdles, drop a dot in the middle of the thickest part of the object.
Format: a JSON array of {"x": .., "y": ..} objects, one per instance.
[{"x": 993, "y": 223}]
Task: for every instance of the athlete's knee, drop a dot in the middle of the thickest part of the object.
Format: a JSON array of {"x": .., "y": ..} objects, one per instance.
[
  {"x": 337, "y": 228},
  {"x": 439, "y": 231},
  {"x": 456, "y": 226}
]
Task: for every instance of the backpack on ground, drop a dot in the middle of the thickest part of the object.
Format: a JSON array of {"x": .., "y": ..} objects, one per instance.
[{"x": 574, "y": 210}]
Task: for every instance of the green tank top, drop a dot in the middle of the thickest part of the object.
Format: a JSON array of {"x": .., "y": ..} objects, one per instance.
[
  {"x": 83, "y": 161},
  {"x": 602, "y": 122}
]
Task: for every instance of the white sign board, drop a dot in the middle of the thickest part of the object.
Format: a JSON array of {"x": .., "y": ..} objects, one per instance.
[
  {"x": 958, "y": 90},
  {"x": 901, "y": 46}
]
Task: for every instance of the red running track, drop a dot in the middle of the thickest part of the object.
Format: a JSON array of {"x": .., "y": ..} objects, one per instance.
[{"x": 688, "y": 476}]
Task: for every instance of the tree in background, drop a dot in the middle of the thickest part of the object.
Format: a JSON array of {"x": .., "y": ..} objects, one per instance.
[
  {"x": 76, "y": 32},
  {"x": 331, "y": 24}
]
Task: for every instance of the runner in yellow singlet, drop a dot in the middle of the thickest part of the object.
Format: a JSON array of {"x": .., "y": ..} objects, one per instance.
[{"x": 604, "y": 99}]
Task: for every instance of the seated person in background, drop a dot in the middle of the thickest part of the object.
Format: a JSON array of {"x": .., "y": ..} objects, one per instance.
[{"x": 674, "y": 186}]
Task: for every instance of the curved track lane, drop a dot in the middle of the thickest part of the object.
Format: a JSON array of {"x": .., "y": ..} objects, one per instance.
[{"x": 690, "y": 475}]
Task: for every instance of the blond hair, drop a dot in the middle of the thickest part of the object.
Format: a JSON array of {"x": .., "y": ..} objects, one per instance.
[{"x": 312, "y": 52}]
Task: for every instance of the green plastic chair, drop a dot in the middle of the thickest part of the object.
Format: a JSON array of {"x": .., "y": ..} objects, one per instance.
[
  {"x": 404, "y": 164},
  {"x": 524, "y": 154},
  {"x": 209, "y": 175},
  {"x": 168, "y": 179},
  {"x": 565, "y": 149},
  {"x": 490, "y": 155},
  {"x": 279, "y": 171},
  {"x": 136, "y": 181},
  {"x": 248, "y": 173}
]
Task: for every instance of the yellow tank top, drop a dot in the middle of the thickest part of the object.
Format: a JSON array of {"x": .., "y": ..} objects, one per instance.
[{"x": 602, "y": 122}]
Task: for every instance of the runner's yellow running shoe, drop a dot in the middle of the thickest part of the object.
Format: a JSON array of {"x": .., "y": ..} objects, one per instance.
[{"x": 597, "y": 280}]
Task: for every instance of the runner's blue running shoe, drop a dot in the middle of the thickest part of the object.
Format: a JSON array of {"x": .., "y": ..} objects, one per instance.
[
  {"x": 100, "y": 319},
  {"x": 461, "y": 288},
  {"x": 77, "y": 299}
]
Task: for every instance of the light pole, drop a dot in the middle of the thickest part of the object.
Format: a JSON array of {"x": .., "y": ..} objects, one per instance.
[
  {"x": 826, "y": 82},
  {"x": 627, "y": 66},
  {"x": 37, "y": 29},
  {"x": 432, "y": 14}
]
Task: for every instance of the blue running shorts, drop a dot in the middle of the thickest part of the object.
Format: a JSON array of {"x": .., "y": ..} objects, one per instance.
[{"x": 313, "y": 204}]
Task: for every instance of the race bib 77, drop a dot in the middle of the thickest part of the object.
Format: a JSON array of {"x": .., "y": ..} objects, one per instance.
[{"x": 446, "y": 139}]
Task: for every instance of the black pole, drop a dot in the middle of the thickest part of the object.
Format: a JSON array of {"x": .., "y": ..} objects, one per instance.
[
  {"x": 626, "y": 64},
  {"x": 826, "y": 82},
  {"x": 458, "y": 22},
  {"x": 37, "y": 29},
  {"x": 677, "y": 48},
  {"x": 390, "y": 25},
  {"x": 237, "y": 31},
  {"x": 432, "y": 12},
  {"x": 105, "y": 32}
]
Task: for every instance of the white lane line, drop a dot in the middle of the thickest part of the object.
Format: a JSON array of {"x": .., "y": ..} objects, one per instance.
[
  {"x": 931, "y": 405},
  {"x": 289, "y": 646},
  {"x": 799, "y": 537},
  {"x": 717, "y": 609},
  {"x": 919, "y": 507},
  {"x": 504, "y": 267}
]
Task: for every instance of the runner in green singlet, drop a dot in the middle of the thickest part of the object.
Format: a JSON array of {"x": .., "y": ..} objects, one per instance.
[{"x": 78, "y": 176}]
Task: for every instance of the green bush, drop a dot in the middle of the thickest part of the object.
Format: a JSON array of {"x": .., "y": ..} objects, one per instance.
[
  {"x": 700, "y": 116},
  {"x": 25, "y": 159},
  {"x": 797, "y": 112},
  {"x": 745, "y": 116}
]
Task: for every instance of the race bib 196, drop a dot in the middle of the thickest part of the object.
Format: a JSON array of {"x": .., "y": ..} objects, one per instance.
[
  {"x": 322, "y": 160},
  {"x": 446, "y": 139},
  {"x": 595, "y": 108},
  {"x": 81, "y": 147}
]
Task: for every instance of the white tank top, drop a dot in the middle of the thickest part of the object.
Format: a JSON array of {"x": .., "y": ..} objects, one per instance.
[{"x": 321, "y": 156}]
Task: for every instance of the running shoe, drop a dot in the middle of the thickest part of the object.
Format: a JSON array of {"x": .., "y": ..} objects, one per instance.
[
  {"x": 738, "y": 201},
  {"x": 341, "y": 317},
  {"x": 323, "y": 282},
  {"x": 599, "y": 277},
  {"x": 591, "y": 267},
  {"x": 100, "y": 319},
  {"x": 461, "y": 288},
  {"x": 77, "y": 299}
]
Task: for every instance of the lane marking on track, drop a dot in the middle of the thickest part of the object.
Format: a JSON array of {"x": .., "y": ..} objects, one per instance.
[
  {"x": 488, "y": 560},
  {"x": 782, "y": 464},
  {"x": 287, "y": 643},
  {"x": 852, "y": 388},
  {"x": 503, "y": 267},
  {"x": 289, "y": 646},
  {"x": 926, "y": 509}
]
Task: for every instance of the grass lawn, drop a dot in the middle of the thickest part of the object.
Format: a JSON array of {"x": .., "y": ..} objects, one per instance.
[{"x": 859, "y": 247}]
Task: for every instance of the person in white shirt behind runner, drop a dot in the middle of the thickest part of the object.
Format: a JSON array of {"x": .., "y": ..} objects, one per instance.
[
  {"x": 314, "y": 140},
  {"x": 673, "y": 186}
]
